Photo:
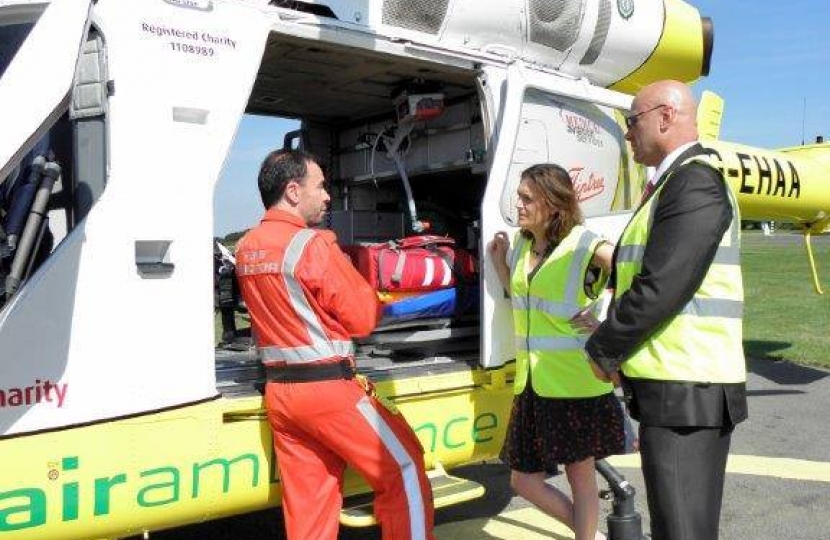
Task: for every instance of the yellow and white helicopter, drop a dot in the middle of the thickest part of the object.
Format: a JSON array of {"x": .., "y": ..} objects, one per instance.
[{"x": 118, "y": 415}]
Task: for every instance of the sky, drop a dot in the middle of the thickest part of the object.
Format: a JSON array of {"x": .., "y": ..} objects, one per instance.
[
  {"x": 771, "y": 64},
  {"x": 236, "y": 202}
]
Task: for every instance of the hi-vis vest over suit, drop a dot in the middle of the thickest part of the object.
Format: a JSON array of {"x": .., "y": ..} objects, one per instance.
[
  {"x": 675, "y": 331},
  {"x": 703, "y": 343},
  {"x": 306, "y": 301},
  {"x": 548, "y": 350}
]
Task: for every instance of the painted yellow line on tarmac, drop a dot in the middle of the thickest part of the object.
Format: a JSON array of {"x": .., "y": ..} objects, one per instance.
[
  {"x": 788, "y": 468},
  {"x": 531, "y": 524},
  {"x": 521, "y": 524}
]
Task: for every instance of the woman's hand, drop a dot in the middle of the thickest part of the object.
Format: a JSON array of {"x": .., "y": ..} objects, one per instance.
[
  {"x": 497, "y": 249},
  {"x": 584, "y": 322},
  {"x": 498, "y": 246}
]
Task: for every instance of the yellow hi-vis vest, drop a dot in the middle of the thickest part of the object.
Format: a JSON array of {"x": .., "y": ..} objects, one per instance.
[
  {"x": 703, "y": 343},
  {"x": 548, "y": 350}
]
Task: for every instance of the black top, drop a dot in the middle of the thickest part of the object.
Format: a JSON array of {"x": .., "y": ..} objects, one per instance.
[{"x": 692, "y": 214}]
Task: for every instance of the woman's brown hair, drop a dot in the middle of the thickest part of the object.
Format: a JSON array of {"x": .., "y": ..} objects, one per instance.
[{"x": 554, "y": 185}]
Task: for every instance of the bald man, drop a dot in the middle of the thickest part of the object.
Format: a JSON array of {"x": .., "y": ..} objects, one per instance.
[{"x": 674, "y": 328}]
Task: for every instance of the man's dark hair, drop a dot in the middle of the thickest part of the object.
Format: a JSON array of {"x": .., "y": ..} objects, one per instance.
[{"x": 277, "y": 169}]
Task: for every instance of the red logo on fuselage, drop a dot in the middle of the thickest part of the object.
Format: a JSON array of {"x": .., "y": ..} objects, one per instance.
[{"x": 586, "y": 184}]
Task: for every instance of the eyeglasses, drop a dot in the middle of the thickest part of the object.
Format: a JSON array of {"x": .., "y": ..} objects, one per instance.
[{"x": 631, "y": 121}]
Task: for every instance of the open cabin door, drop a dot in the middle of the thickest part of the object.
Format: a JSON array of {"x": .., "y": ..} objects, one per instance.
[
  {"x": 35, "y": 88},
  {"x": 538, "y": 117},
  {"x": 127, "y": 292}
]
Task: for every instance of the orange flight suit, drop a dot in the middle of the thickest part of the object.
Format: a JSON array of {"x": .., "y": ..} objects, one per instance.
[{"x": 306, "y": 301}]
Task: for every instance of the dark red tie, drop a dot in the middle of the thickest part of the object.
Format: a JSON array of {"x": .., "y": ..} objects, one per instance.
[{"x": 649, "y": 188}]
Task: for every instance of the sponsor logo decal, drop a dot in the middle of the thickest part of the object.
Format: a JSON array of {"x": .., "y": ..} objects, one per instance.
[
  {"x": 626, "y": 8},
  {"x": 587, "y": 184},
  {"x": 583, "y": 129}
]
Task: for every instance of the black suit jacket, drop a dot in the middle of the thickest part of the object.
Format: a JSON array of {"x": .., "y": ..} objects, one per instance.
[{"x": 691, "y": 216}]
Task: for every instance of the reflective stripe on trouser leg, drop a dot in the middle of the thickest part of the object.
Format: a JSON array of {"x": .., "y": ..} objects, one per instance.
[
  {"x": 340, "y": 425},
  {"x": 409, "y": 466}
]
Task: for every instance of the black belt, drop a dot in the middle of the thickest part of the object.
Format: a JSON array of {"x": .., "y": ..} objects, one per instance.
[{"x": 310, "y": 373}]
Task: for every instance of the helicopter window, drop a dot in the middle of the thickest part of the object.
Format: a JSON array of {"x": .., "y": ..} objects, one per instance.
[
  {"x": 588, "y": 140},
  {"x": 54, "y": 185},
  {"x": 11, "y": 38}
]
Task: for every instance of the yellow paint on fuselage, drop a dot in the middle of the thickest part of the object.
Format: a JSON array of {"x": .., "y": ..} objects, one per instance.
[
  {"x": 156, "y": 471},
  {"x": 678, "y": 55},
  {"x": 786, "y": 186}
]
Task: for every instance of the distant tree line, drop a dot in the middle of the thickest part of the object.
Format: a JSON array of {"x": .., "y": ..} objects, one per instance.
[{"x": 230, "y": 239}]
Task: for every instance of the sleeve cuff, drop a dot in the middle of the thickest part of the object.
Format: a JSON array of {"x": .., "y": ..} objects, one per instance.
[{"x": 605, "y": 363}]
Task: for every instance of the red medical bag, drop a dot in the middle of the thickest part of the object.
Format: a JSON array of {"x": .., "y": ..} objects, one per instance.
[{"x": 415, "y": 263}]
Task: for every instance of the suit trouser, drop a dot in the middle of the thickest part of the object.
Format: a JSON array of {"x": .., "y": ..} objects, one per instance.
[
  {"x": 684, "y": 471},
  {"x": 319, "y": 428}
]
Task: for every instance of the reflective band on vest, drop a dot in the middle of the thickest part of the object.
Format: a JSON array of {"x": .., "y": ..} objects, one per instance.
[
  {"x": 714, "y": 307},
  {"x": 300, "y": 355},
  {"x": 321, "y": 346},
  {"x": 555, "y": 309},
  {"x": 702, "y": 343},
  {"x": 724, "y": 255},
  {"x": 548, "y": 351},
  {"x": 549, "y": 344}
]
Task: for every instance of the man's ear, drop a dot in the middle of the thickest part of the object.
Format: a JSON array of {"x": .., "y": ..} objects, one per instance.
[
  {"x": 291, "y": 192},
  {"x": 667, "y": 117}
]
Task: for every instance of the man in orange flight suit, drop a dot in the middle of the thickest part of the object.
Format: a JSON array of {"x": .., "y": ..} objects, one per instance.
[{"x": 306, "y": 301}]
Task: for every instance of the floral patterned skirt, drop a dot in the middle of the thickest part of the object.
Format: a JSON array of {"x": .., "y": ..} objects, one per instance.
[{"x": 546, "y": 432}]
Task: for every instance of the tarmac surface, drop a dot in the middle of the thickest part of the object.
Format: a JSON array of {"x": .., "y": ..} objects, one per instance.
[{"x": 777, "y": 486}]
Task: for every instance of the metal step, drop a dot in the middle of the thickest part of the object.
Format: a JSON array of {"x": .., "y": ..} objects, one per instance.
[{"x": 447, "y": 490}]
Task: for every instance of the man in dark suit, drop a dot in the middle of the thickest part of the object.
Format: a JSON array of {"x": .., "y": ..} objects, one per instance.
[{"x": 674, "y": 328}]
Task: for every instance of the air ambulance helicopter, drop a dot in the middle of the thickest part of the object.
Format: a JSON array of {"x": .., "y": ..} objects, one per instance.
[{"x": 118, "y": 414}]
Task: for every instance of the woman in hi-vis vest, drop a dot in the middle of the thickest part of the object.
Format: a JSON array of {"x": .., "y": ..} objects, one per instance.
[{"x": 562, "y": 414}]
